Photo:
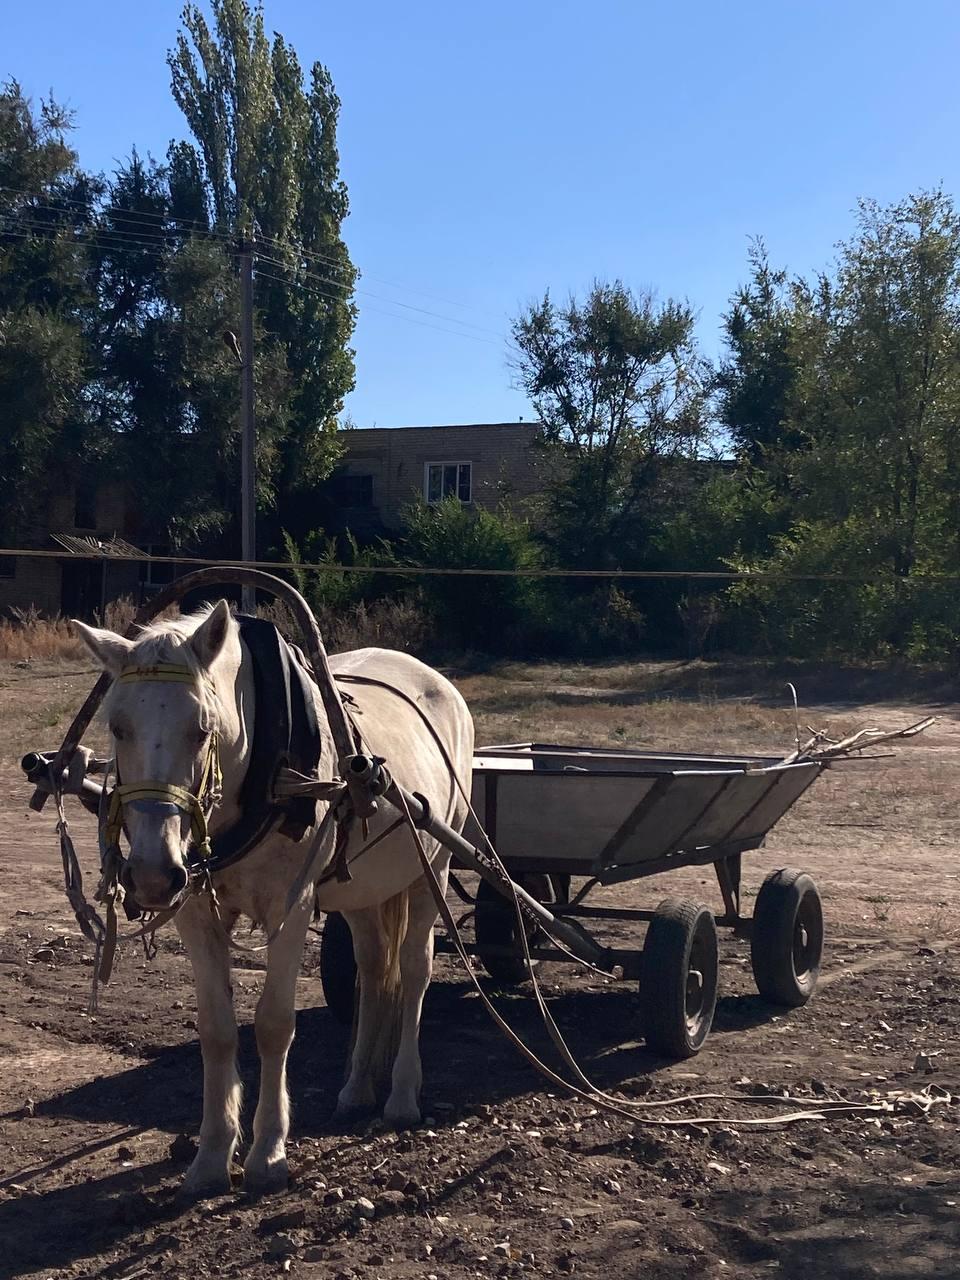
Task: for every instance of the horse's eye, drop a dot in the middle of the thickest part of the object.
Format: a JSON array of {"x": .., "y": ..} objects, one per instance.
[
  {"x": 202, "y": 735},
  {"x": 117, "y": 732}
]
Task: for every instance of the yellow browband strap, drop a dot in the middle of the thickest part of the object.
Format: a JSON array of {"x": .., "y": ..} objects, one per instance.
[
  {"x": 169, "y": 792},
  {"x": 159, "y": 671}
]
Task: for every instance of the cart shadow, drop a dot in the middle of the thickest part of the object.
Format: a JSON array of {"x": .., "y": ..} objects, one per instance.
[{"x": 743, "y": 1012}]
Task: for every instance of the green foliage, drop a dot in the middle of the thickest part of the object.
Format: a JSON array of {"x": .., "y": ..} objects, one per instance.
[
  {"x": 266, "y": 156},
  {"x": 873, "y": 488},
  {"x": 43, "y": 293},
  {"x": 756, "y": 381},
  {"x": 325, "y": 586},
  {"x": 115, "y": 293},
  {"x": 482, "y": 612},
  {"x": 616, "y": 381}
]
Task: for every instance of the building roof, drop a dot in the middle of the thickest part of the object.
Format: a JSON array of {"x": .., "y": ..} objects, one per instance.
[{"x": 444, "y": 426}]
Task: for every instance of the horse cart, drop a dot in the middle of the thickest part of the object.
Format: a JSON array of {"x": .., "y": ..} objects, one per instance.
[
  {"x": 544, "y": 819},
  {"x": 559, "y": 814}
]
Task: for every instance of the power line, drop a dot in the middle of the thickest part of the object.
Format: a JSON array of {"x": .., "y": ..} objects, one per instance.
[
  {"x": 204, "y": 229},
  {"x": 90, "y": 236},
  {"x": 122, "y": 242},
  {"x": 333, "y": 297},
  {"x": 696, "y": 575},
  {"x": 113, "y": 238},
  {"x": 408, "y": 306}
]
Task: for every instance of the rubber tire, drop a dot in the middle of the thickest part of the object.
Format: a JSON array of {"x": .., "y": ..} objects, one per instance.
[
  {"x": 786, "y": 969},
  {"x": 679, "y": 932},
  {"x": 338, "y": 968},
  {"x": 495, "y": 925}
]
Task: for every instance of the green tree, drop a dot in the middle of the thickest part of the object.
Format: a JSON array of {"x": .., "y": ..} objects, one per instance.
[
  {"x": 875, "y": 491},
  {"x": 266, "y": 155},
  {"x": 483, "y": 612},
  {"x": 45, "y": 204},
  {"x": 618, "y": 387},
  {"x": 167, "y": 290},
  {"x": 757, "y": 378}
]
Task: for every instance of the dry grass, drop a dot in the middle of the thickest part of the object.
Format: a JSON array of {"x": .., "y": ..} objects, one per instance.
[
  {"x": 30, "y": 637},
  {"x": 669, "y": 706},
  {"x": 747, "y": 679},
  {"x": 530, "y": 707},
  {"x": 385, "y": 624}
]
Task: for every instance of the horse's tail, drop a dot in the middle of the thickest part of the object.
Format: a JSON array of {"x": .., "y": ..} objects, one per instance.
[{"x": 394, "y": 917}]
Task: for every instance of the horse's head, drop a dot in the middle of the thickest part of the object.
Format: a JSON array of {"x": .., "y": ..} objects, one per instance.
[{"x": 172, "y": 712}]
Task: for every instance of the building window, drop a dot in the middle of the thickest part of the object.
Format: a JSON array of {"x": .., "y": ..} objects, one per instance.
[
  {"x": 8, "y": 566},
  {"x": 353, "y": 491},
  {"x": 448, "y": 479}
]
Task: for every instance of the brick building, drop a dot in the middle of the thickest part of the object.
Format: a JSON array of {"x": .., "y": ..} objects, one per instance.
[
  {"x": 70, "y": 585},
  {"x": 382, "y": 470},
  {"x": 385, "y": 468}
]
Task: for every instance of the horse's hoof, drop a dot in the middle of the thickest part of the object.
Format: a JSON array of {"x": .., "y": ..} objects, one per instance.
[
  {"x": 204, "y": 1185},
  {"x": 353, "y": 1105},
  {"x": 266, "y": 1180},
  {"x": 351, "y": 1112},
  {"x": 402, "y": 1117}
]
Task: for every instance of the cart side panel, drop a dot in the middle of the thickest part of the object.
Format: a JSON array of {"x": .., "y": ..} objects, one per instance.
[
  {"x": 559, "y": 817},
  {"x": 734, "y": 804},
  {"x": 671, "y": 815},
  {"x": 792, "y": 781}
]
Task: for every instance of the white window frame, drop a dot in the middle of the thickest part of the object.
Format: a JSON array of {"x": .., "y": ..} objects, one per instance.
[{"x": 447, "y": 462}]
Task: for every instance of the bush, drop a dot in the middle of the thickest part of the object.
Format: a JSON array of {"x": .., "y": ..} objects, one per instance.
[
  {"x": 324, "y": 585},
  {"x": 385, "y": 624},
  {"x": 474, "y": 612}
]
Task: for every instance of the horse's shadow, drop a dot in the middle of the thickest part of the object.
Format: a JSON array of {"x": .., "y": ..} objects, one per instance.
[
  {"x": 602, "y": 1027},
  {"x": 164, "y": 1092}
]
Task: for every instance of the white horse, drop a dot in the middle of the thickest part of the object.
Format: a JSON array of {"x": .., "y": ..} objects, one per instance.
[{"x": 162, "y": 732}]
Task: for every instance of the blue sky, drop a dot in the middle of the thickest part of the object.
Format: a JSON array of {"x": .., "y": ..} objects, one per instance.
[{"x": 495, "y": 150}]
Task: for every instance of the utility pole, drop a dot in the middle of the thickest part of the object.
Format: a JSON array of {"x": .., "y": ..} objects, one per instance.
[{"x": 248, "y": 424}]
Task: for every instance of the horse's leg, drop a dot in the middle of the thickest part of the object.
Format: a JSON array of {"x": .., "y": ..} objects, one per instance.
[
  {"x": 207, "y": 947},
  {"x": 416, "y": 969},
  {"x": 265, "y": 1168},
  {"x": 359, "y": 1092}
]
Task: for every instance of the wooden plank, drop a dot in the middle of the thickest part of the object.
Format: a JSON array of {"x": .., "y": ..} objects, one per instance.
[
  {"x": 684, "y": 796},
  {"x": 793, "y": 780},
  {"x": 559, "y": 817}
]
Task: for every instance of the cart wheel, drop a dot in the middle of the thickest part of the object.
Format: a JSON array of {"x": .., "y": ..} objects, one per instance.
[
  {"x": 495, "y": 925},
  {"x": 678, "y": 986},
  {"x": 787, "y": 942},
  {"x": 338, "y": 968}
]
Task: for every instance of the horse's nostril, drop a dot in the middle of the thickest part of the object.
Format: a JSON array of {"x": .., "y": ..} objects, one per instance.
[{"x": 160, "y": 886}]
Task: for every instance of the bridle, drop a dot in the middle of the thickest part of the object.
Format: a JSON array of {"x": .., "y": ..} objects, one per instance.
[{"x": 199, "y": 804}]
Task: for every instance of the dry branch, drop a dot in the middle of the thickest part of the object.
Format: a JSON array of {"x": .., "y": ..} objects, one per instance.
[{"x": 820, "y": 746}]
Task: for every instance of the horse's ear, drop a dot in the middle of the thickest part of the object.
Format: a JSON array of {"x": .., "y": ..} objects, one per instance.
[
  {"x": 211, "y": 635},
  {"x": 109, "y": 649}
]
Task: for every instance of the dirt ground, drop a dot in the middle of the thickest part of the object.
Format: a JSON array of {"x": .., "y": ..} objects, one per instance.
[{"x": 506, "y": 1177}]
